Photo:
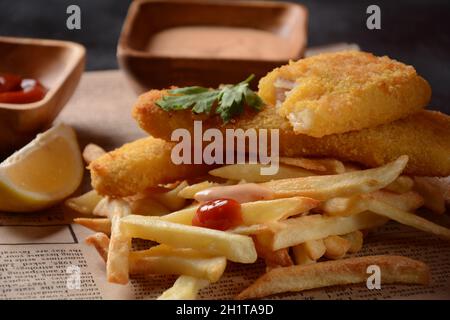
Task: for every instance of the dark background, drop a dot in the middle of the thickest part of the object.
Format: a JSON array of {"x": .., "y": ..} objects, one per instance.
[{"x": 414, "y": 32}]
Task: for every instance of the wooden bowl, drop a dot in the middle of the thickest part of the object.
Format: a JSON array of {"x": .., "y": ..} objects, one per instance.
[
  {"x": 145, "y": 19},
  {"x": 58, "y": 65}
]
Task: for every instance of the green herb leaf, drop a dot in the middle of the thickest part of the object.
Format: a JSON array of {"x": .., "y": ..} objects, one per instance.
[
  {"x": 188, "y": 90},
  {"x": 229, "y": 99}
]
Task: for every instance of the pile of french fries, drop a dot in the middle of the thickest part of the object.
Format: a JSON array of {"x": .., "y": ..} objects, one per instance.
[{"x": 321, "y": 211}]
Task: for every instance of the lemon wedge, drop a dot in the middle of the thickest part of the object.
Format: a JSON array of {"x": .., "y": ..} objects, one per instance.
[{"x": 43, "y": 172}]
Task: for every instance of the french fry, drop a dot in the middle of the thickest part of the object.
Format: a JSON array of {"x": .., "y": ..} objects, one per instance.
[
  {"x": 117, "y": 265},
  {"x": 394, "y": 269},
  {"x": 189, "y": 192},
  {"x": 148, "y": 206},
  {"x": 85, "y": 203},
  {"x": 294, "y": 231},
  {"x": 356, "y": 239},
  {"x": 309, "y": 251},
  {"x": 103, "y": 208},
  {"x": 163, "y": 250},
  {"x": 408, "y": 201},
  {"x": 263, "y": 241},
  {"x": 273, "y": 210},
  {"x": 344, "y": 206},
  {"x": 315, "y": 248},
  {"x": 237, "y": 248},
  {"x": 242, "y": 192},
  {"x": 109, "y": 207},
  {"x": 184, "y": 288},
  {"x": 102, "y": 225},
  {"x": 252, "y": 172},
  {"x": 162, "y": 259},
  {"x": 208, "y": 268},
  {"x": 401, "y": 185},
  {"x": 254, "y": 229},
  {"x": 301, "y": 255},
  {"x": 408, "y": 219},
  {"x": 329, "y": 166},
  {"x": 339, "y": 185},
  {"x": 273, "y": 259},
  {"x": 429, "y": 189},
  {"x": 171, "y": 199},
  {"x": 101, "y": 243},
  {"x": 256, "y": 212},
  {"x": 336, "y": 247},
  {"x": 183, "y": 216},
  {"x": 92, "y": 152},
  {"x": 277, "y": 259}
]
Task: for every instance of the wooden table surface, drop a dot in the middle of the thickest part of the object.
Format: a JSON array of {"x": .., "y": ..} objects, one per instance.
[{"x": 100, "y": 110}]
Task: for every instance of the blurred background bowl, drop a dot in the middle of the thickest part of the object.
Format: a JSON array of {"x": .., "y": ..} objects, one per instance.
[{"x": 147, "y": 70}]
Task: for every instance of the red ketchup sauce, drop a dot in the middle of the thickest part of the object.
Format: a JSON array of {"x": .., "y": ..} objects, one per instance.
[
  {"x": 18, "y": 90},
  {"x": 220, "y": 214}
]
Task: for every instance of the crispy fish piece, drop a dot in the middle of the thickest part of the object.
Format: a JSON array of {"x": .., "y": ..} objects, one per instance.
[
  {"x": 137, "y": 166},
  {"x": 344, "y": 91},
  {"x": 423, "y": 136}
]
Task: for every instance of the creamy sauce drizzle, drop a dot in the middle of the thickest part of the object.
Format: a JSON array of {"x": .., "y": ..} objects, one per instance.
[{"x": 242, "y": 193}]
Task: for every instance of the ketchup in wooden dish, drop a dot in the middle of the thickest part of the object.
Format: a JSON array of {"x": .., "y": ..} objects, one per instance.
[
  {"x": 220, "y": 214},
  {"x": 18, "y": 90}
]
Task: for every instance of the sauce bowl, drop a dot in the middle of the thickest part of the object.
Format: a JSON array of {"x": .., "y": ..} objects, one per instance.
[
  {"x": 58, "y": 65},
  {"x": 146, "y": 19}
]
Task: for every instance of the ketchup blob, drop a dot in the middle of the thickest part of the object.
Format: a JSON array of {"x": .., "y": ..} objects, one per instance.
[
  {"x": 18, "y": 90},
  {"x": 220, "y": 214}
]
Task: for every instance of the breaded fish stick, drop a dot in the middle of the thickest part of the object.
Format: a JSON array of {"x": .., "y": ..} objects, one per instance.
[
  {"x": 424, "y": 136},
  {"x": 343, "y": 91},
  {"x": 137, "y": 166}
]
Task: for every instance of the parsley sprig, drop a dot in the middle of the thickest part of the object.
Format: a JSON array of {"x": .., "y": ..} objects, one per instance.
[{"x": 230, "y": 99}]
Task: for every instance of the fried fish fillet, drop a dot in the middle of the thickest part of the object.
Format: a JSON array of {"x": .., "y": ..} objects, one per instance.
[
  {"x": 137, "y": 166},
  {"x": 423, "y": 136},
  {"x": 344, "y": 91}
]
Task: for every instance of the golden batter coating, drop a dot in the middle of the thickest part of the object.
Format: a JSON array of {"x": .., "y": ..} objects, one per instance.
[
  {"x": 137, "y": 166},
  {"x": 423, "y": 136},
  {"x": 344, "y": 91}
]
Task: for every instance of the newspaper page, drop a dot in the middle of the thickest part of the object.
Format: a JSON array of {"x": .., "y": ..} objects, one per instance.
[{"x": 43, "y": 255}]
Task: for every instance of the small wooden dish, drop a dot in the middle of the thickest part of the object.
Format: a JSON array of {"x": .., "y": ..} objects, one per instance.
[
  {"x": 58, "y": 65},
  {"x": 146, "y": 18}
]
